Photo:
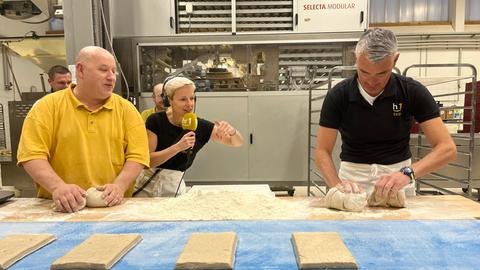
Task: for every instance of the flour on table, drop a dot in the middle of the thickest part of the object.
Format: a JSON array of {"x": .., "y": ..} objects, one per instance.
[{"x": 220, "y": 205}]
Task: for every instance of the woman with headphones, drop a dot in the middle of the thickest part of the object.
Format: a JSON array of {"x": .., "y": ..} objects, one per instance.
[{"x": 172, "y": 149}]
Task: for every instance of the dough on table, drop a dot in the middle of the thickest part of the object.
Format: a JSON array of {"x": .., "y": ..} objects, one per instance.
[
  {"x": 398, "y": 201},
  {"x": 314, "y": 250},
  {"x": 345, "y": 201},
  {"x": 94, "y": 198},
  {"x": 208, "y": 251},
  {"x": 16, "y": 246},
  {"x": 99, "y": 251}
]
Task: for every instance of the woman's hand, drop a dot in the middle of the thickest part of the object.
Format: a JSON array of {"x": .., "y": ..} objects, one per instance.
[
  {"x": 224, "y": 130},
  {"x": 186, "y": 142}
]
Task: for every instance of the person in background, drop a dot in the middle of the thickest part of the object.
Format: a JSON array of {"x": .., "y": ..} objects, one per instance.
[
  {"x": 374, "y": 111},
  {"x": 157, "y": 100},
  {"x": 84, "y": 136},
  {"x": 59, "y": 77},
  {"x": 172, "y": 149}
]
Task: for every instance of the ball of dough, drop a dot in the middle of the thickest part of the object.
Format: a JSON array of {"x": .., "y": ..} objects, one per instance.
[
  {"x": 398, "y": 201},
  {"x": 94, "y": 198},
  {"x": 345, "y": 201}
]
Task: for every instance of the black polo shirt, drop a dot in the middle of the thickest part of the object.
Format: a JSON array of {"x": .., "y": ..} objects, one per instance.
[{"x": 380, "y": 133}]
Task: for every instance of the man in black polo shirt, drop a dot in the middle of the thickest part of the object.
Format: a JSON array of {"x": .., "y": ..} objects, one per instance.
[{"x": 374, "y": 111}]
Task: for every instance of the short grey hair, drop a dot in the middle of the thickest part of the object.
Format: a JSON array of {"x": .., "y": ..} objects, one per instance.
[
  {"x": 377, "y": 44},
  {"x": 172, "y": 85}
]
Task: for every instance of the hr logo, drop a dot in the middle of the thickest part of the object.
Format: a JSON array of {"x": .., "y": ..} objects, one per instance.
[{"x": 397, "y": 109}]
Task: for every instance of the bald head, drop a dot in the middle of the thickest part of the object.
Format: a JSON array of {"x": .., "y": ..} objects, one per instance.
[
  {"x": 96, "y": 73},
  {"x": 88, "y": 53},
  {"x": 157, "y": 97},
  {"x": 157, "y": 89}
]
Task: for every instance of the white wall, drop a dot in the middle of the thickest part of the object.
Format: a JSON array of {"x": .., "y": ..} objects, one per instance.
[
  {"x": 27, "y": 75},
  {"x": 26, "y": 72}
]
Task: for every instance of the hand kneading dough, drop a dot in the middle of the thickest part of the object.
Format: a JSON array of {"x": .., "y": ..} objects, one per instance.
[
  {"x": 345, "y": 201},
  {"x": 397, "y": 201},
  {"x": 80, "y": 207},
  {"x": 94, "y": 198}
]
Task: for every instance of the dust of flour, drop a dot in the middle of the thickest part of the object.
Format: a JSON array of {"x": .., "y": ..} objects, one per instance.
[{"x": 218, "y": 205}]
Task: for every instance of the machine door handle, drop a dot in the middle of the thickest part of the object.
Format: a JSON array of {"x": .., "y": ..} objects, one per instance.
[
  {"x": 296, "y": 19},
  {"x": 171, "y": 22},
  {"x": 251, "y": 138},
  {"x": 361, "y": 16}
]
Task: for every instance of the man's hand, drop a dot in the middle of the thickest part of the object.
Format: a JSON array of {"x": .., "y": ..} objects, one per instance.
[
  {"x": 389, "y": 185},
  {"x": 349, "y": 187},
  {"x": 187, "y": 141},
  {"x": 68, "y": 198},
  {"x": 112, "y": 194}
]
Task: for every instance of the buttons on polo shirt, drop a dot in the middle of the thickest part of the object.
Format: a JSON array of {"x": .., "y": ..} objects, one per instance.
[{"x": 91, "y": 123}]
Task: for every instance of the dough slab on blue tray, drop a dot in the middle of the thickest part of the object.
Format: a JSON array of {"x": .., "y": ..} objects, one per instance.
[{"x": 266, "y": 244}]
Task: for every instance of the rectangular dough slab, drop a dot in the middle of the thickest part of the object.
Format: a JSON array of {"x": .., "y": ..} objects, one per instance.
[
  {"x": 209, "y": 251},
  {"x": 99, "y": 251},
  {"x": 16, "y": 246},
  {"x": 321, "y": 250}
]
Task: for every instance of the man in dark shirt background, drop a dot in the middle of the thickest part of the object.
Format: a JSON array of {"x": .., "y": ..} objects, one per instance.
[{"x": 59, "y": 77}]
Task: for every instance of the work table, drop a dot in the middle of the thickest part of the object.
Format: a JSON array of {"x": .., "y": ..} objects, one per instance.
[
  {"x": 447, "y": 207},
  {"x": 433, "y": 232}
]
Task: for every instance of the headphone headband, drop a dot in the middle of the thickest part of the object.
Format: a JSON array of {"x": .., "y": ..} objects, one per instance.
[{"x": 166, "y": 102}]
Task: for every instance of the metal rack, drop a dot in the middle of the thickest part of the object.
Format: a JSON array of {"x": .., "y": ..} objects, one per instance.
[
  {"x": 457, "y": 174},
  {"x": 209, "y": 16},
  {"x": 3, "y": 138},
  {"x": 316, "y": 98},
  {"x": 298, "y": 62}
]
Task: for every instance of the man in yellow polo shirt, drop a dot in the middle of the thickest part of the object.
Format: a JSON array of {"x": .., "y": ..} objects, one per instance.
[
  {"x": 157, "y": 99},
  {"x": 84, "y": 136}
]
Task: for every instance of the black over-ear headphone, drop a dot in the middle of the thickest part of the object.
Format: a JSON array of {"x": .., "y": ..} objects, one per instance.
[{"x": 166, "y": 102}]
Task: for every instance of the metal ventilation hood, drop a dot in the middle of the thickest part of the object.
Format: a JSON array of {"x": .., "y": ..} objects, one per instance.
[
  {"x": 26, "y": 9},
  {"x": 44, "y": 52}
]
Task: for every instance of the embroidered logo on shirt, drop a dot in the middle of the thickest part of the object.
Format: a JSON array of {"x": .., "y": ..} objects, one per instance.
[{"x": 397, "y": 109}]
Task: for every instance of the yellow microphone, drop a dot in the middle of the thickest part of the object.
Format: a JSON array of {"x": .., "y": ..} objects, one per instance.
[{"x": 189, "y": 122}]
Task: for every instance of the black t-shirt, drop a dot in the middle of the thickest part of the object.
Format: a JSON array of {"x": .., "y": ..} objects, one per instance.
[
  {"x": 380, "y": 133},
  {"x": 169, "y": 134}
]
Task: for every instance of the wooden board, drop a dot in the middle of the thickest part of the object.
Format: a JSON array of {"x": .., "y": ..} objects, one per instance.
[
  {"x": 446, "y": 207},
  {"x": 99, "y": 251},
  {"x": 16, "y": 246},
  {"x": 314, "y": 250},
  {"x": 208, "y": 251}
]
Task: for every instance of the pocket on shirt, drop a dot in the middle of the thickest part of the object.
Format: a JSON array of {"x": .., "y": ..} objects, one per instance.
[{"x": 117, "y": 152}]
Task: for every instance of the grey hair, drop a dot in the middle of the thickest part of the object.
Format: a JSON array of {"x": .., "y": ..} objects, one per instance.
[
  {"x": 172, "y": 85},
  {"x": 377, "y": 44}
]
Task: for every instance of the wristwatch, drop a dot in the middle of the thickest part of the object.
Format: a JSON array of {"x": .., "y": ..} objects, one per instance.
[{"x": 408, "y": 171}]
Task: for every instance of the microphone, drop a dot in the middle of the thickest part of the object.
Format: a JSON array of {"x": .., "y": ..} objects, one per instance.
[{"x": 189, "y": 122}]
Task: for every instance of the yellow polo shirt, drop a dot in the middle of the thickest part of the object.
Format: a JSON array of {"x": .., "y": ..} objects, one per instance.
[
  {"x": 83, "y": 147},
  {"x": 146, "y": 113}
]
